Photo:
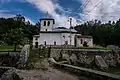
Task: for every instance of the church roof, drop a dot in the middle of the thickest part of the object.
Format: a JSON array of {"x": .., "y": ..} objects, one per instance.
[
  {"x": 60, "y": 31},
  {"x": 56, "y": 32},
  {"x": 83, "y": 36},
  {"x": 67, "y": 30}
]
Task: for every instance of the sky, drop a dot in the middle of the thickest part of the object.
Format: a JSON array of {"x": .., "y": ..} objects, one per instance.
[{"x": 61, "y": 10}]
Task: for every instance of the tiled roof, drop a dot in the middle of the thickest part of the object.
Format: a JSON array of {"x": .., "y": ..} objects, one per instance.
[
  {"x": 72, "y": 30},
  {"x": 84, "y": 36}
]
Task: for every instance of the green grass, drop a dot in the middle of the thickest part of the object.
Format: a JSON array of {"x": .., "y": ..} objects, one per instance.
[{"x": 5, "y": 47}]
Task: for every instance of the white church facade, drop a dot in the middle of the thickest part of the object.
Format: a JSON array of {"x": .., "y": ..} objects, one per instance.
[{"x": 49, "y": 35}]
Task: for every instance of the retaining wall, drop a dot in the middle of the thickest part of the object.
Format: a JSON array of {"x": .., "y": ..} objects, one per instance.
[{"x": 77, "y": 56}]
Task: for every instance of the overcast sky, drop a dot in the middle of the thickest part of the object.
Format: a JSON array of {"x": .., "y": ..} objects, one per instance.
[{"x": 61, "y": 10}]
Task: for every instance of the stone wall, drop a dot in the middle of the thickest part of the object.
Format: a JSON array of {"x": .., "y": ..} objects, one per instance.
[
  {"x": 14, "y": 59},
  {"x": 84, "y": 57},
  {"x": 23, "y": 56}
]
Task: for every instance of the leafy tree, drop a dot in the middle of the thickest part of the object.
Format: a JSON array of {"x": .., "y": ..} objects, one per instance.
[
  {"x": 15, "y": 31},
  {"x": 103, "y": 33},
  {"x": 16, "y": 36}
]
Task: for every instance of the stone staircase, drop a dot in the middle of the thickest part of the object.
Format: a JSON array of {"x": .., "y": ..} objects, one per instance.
[{"x": 101, "y": 63}]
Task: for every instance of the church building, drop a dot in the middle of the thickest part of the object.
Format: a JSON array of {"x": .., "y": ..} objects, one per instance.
[{"x": 49, "y": 35}]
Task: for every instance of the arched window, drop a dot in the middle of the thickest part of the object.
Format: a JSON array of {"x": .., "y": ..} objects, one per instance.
[
  {"x": 48, "y": 23},
  {"x": 44, "y": 23},
  {"x": 66, "y": 42},
  {"x": 54, "y": 42}
]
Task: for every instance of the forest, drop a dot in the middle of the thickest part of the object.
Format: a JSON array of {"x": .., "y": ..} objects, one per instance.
[
  {"x": 103, "y": 33},
  {"x": 16, "y": 31}
]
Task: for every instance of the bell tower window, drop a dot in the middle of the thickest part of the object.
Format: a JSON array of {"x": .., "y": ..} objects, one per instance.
[
  {"x": 44, "y": 23},
  {"x": 48, "y": 23}
]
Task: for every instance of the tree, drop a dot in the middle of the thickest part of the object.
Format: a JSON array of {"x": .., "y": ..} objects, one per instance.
[
  {"x": 15, "y": 31},
  {"x": 103, "y": 33},
  {"x": 17, "y": 37}
]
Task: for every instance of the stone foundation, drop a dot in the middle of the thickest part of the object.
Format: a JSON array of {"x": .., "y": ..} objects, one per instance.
[{"x": 85, "y": 57}]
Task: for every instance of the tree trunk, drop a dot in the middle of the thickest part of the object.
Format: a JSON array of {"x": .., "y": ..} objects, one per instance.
[{"x": 15, "y": 47}]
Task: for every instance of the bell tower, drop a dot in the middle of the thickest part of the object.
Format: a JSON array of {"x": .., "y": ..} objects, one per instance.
[{"x": 46, "y": 23}]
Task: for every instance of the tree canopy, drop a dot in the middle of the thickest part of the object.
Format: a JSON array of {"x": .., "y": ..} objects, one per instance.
[
  {"x": 103, "y": 33},
  {"x": 14, "y": 30}
]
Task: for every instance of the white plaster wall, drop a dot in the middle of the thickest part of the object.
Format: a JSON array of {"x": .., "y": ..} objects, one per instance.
[
  {"x": 50, "y": 38},
  {"x": 67, "y": 38},
  {"x": 89, "y": 40},
  {"x": 34, "y": 40},
  {"x": 49, "y": 28}
]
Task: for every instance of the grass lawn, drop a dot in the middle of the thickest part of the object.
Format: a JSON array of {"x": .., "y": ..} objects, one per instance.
[{"x": 5, "y": 47}]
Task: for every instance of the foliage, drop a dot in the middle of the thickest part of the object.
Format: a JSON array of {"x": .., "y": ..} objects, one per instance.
[
  {"x": 15, "y": 31},
  {"x": 103, "y": 33}
]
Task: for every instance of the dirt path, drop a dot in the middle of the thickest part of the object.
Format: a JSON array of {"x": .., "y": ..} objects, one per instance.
[{"x": 51, "y": 74}]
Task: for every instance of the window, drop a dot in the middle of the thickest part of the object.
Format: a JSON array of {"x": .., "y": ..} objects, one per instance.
[
  {"x": 48, "y": 23},
  {"x": 46, "y": 29},
  {"x": 63, "y": 36},
  {"x": 66, "y": 42},
  {"x": 81, "y": 41},
  {"x": 44, "y": 23},
  {"x": 36, "y": 38},
  {"x": 36, "y": 44},
  {"x": 54, "y": 42},
  {"x": 44, "y": 42}
]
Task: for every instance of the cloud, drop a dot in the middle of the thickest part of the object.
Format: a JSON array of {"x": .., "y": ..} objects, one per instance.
[
  {"x": 28, "y": 19},
  {"x": 103, "y": 10},
  {"x": 50, "y": 6},
  {"x": 4, "y": 15}
]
